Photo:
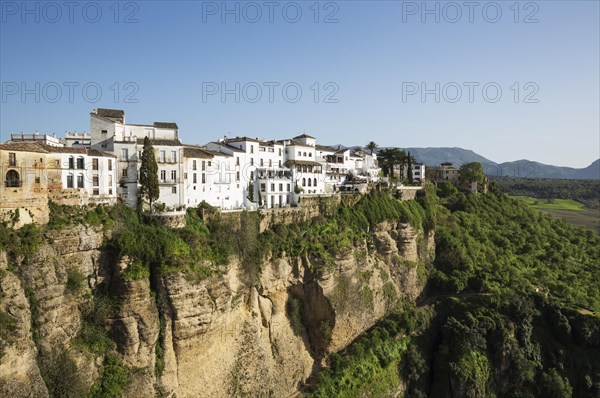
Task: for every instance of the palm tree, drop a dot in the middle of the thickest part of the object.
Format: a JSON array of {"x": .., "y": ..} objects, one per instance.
[{"x": 371, "y": 146}]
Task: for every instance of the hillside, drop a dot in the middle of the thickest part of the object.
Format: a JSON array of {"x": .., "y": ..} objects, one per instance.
[
  {"x": 520, "y": 168},
  {"x": 476, "y": 295},
  {"x": 507, "y": 309}
]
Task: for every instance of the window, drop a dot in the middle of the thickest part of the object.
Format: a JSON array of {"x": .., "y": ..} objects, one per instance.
[
  {"x": 279, "y": 151},
  {"x": 110, "y": 182},
  {"x": 163, "y": 175},
  {"x": 12, "y": 159},
  {"x": 299, "y": 153},
  {"x": 95, "y": 191},
  {"x": 272, "y": 187},
  {"x": 304, "y": 153},
  {"x": 80, "y": 165},
  {"x": 280, "y": 187},
  {"x": 315, "y": 182},
  {"x": 104, "y": 146},
  {"x": 110, "y": 191},
  {"x": 173, "y": 175},
  {"x": 95, "y": 164},
  {"x": 209, "y": 163},
  {"x": 124, "y": 154},
  {"x": 69, "y": 181},
  {"x": 125, "y": 172},
  {"x": 304, "y": 182},
  {"x": 262, "y": 162},
  {"x": 162, "y": 155},
  {"x": 280, "y": 164},
  {"x": 237, "y": 176},
  {"x": 37, "y": 180},
  {"x": 203, "y": 165},
  {"x": 104, "y": 131},
  {"x": 174, "y": 189},
  {"x": 203, "y": 178},
  {"x": 237, "y": 161},
  {"x": 96, "y": 181},
  {"x": 194, "y": 178},
  {"x": 251, "y": 148},
  {"x": 80, "y": 181},
  {"x": 251, "y": 161},
  {"x": 288, "y": 187},
  {"x": 71, "y": 162},
  {"x": 174, "y": 156},
  {"x": 251, "y": 175},
  {"x": 193, "y": 165},
  {"x": 309, "y": 182},
  {"x": 310, "y": 154},
  {"x": 263, "y": 187},
  {"x": 109, "y": 164},
  {"x": 270, "y": 163}
]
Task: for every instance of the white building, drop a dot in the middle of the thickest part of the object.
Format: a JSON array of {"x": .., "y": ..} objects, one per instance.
[
  {"x": 35, "y": 137},
  {"x": 231, "y": 173},
  {"x": 109, "y": 132}
]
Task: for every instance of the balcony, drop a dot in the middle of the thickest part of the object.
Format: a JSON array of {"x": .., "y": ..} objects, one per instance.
[
  {"x": 169, "y": 181},
  {"x": 167, "y": 160}
]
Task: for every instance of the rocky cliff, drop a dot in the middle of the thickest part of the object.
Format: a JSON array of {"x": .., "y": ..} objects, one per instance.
[{"x": 188, "y": 337}]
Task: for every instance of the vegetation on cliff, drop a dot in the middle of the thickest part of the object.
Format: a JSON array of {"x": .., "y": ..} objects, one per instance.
[
  {"x": 513, "y": 302},
  {"x": 510, "y": 309}
]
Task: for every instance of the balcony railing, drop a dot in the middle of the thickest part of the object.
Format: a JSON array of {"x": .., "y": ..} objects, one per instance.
[
  {"x": 167, "y": 160},
  {"x": 169, "y": 181}
]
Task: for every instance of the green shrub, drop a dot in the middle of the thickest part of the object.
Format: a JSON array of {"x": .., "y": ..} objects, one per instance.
[
  {"x": 8, "y": 326},
  {"x": 113, "y": 379},
  {"x": 295, "y": 311},
  {"x": 75, "y": 280},
  {"x": 136, "y": 271},
  {"x": 61, "y": 375}
]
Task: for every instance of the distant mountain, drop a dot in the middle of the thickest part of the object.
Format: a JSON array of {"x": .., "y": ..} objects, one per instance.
[
  {"x": 592, "y": 172},
  {"x": 434, "y": 156},
  {"x": 520, "y": 168}
]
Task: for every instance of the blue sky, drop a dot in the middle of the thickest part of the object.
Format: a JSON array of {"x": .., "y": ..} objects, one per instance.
[{"x": 364, "y": 66}]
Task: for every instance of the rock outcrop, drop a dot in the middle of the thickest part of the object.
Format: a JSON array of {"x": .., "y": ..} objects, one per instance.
[{"x": 218, "y": 337}]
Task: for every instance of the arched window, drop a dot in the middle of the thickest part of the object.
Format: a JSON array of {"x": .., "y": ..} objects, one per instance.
[
  {"x": 315, "y": 182},
  {"x": 309, "y": 183},
  {"x": 304, "y": 182},
  {"x": 12, "y": 179}
]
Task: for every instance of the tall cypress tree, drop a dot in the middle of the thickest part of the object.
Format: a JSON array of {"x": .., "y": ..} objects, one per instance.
[
  {"x": 149, "y": 189},
  {"x": 409, "y": 167}
]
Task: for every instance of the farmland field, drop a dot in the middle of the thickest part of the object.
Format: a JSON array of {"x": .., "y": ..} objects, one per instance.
[
  {"x": 570, "y": 210},
  {"x": 555, "y": 204}
]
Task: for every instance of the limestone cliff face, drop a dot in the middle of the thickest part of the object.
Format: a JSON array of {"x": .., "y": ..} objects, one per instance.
[
  {"x": 46, "y": 315},
  {"x": 218, "y": 337}
]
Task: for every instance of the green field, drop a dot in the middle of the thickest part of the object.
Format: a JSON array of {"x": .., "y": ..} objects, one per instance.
[
  {"x": 572, "y": 211},
  {"x": 554, "y": 204}
]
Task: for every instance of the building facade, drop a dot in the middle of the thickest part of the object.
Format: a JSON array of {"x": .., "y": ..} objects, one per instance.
[{"x": 230, "y": 173}]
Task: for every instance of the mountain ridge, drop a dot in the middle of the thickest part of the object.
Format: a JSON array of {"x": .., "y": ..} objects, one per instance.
[{"x": 523, "y": 168}]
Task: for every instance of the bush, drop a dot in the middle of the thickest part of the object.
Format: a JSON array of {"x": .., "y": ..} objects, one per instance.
[
  {"x": 75, "y": 280},
  {"x": 136, "y": 271},
  {"x": 62, "y": 377},
  {"x": 295, "y": 310},
  {"x": 114, "y": 377}
]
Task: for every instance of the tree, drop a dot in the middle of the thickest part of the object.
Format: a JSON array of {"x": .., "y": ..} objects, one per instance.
[
  {"x": 149, "y": 189},
  {"x": 388, "y": 158},
  {"x": 470, "y": 172},
  {"x": 409, "y": 167},
  {"x": 371, "y": 146}
]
